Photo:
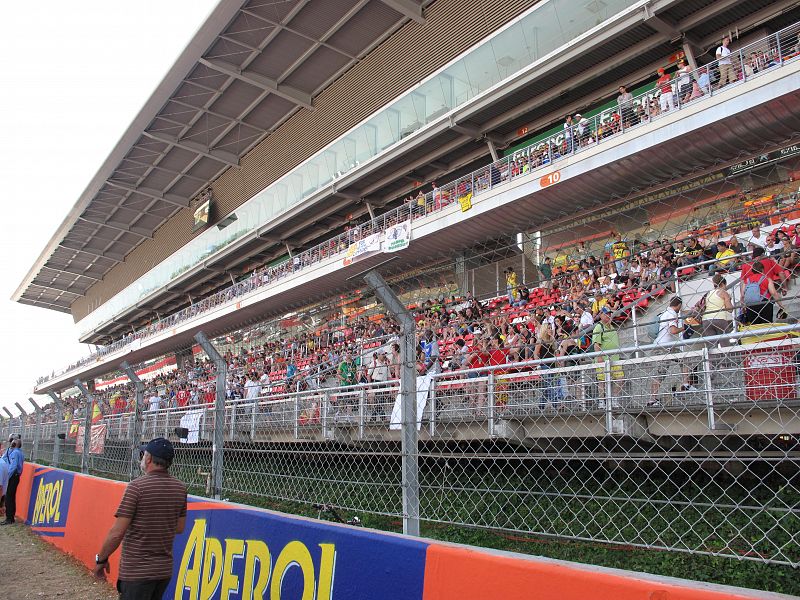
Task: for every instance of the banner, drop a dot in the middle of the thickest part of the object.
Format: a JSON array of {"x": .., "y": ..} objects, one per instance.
[
  {"x": 97, "y": 439},
  {"x": 364, "y": 246},
  {"x": 191, "y": 421},
  {"x": 465, "y": 201},
  {"x": 423, "y": 389},
  {"x": 397, "y": 237}
]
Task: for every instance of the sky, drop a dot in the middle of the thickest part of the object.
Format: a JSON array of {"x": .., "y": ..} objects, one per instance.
[{"x": 75, "y": 74}]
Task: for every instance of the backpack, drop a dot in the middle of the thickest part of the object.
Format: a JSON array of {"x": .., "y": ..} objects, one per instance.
[
  {"x": 752, "y": 292},
  {"x": 653, "y": 328}
]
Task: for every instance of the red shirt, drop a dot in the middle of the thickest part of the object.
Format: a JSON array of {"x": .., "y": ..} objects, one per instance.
[
  {"x": 663, "y": 83},
  {"x": 498, "y": 356},
  {"x": 478, "y": 359},
  {"x": 182, "y": 397},
  {"x": 771, "y": 269}
]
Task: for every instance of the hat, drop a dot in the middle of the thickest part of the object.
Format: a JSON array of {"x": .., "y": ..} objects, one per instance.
[
  {"x": 661, "y": 70},
  {"x": 605, "y": 310},
  {"x": 160, "y": 448}
]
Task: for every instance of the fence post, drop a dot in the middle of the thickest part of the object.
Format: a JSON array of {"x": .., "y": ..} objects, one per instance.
[
  {"x": 87, "y": 425},
  {"x": 59, "y": 420},
  {"x": 218, "y": 444},
  {"x": 136, "y": 435},
  {"x": 22, "y": 417},
  {"x": 408, "y": 396},
  {"x": 609, "y": 389},
  {"x": 712, "y": 420},
  {"x": 490, "y": 403},
  {"x": 37, "y": 433}
]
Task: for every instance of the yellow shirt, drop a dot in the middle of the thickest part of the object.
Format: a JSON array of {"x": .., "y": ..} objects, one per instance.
[
  {"x": 598, "y": 305},
  {"x": 724, "y": 254}
]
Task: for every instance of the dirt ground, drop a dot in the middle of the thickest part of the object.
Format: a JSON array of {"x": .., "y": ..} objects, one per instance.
[{"x": 38, "y": 570}]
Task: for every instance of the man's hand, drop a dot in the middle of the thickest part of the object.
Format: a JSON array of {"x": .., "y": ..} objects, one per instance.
[{"x": 100, "y": 570}]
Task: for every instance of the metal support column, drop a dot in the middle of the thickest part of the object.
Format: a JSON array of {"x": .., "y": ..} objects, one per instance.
[
  {"x": 408, "y": 404},
  {"x": 59, "y": 422},
  {"x": 218, "y": 444},
  {"x": 136, "y": 436},
  {"x": 37, "y": 433},
  {"x": 22, "y": 417},
  {"x": 87, "y": 425}
]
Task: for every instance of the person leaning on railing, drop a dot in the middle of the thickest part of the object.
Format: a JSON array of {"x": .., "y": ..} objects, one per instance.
[{"x": 718, "y": 314}]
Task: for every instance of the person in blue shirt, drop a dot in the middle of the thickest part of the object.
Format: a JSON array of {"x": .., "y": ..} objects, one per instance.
[{"x": 15, "y": 460}]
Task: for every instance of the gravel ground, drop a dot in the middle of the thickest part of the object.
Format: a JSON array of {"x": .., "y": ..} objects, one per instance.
[{"x": 35, "y": 569}]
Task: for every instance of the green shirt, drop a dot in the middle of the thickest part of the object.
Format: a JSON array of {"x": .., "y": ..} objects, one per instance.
[
  {"x": 347, "y": 373},
  {"x": 606, "y": 337}
]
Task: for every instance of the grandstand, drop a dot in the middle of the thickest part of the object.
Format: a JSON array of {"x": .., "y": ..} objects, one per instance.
[{"x": 533, "y": 217}]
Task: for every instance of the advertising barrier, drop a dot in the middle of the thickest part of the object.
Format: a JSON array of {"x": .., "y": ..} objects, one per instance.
[{"x": 234, "y": 551}]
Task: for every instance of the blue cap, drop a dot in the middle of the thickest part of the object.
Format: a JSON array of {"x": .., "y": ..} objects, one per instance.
[{"x": 160, "y": 448}]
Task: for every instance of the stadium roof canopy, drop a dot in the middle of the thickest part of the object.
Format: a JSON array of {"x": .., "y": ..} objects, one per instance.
[{"x": 250, "y": 67}]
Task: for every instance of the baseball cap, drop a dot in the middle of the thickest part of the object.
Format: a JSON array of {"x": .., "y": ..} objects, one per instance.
[
  {"x": 661, "y": 70},
  {"x": 160, "y": 448},
  {"x": 605, "y": 310}
]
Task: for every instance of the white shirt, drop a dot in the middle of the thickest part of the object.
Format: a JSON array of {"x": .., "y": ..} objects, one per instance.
[
  {"x": 723, "y": 55},
  {"x": 252, "y": 389},
  {"x": 155, "y": 402},
  {"x": 3, "y": 476},
  {"x": 587, "y": 320},
  {"x": 757, "y": 241},
  {"x": 668, "y": 319}
]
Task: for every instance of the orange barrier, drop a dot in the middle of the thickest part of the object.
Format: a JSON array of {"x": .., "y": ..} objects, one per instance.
[
  {"x": 458, "y": 573},
  {"x": 229, "y": 550}
]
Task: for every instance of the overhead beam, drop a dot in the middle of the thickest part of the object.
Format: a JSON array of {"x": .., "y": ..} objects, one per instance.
[
  {"x": 43, "y": 304},
  {"x": 109, "y": 255},
  {"x": 118, "y": 226},
  {"x": 173, "y": 199},
  {"x": 57, "y": 287},
  {"x": 407, "y": 8},
  {"x": 474, "y": 132},
  {"x": 260, "y": 81},
  {"x": 223, "y": 156},
  {"x": 139, "y": 164},
  {"x": 72, "y": 272}
]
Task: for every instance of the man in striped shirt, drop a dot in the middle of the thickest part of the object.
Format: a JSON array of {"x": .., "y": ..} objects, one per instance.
[{"x": 151, "y": 513}]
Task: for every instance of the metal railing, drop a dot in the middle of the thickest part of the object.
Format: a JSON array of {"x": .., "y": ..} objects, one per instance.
[
  {"x": 689, "y": 446},
  {"x": 749, "y": 62}
]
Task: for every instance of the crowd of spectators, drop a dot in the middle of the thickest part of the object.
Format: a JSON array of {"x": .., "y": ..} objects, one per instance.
[
  {"x": 578, "y": 306},
  {"x": 679, "y": 87}
]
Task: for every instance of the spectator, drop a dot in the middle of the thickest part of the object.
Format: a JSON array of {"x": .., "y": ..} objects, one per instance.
[
  {"x": 151, "y": 513},
  {"x": 684, "y": 76},
  {"x": 625, "y": 103},
  {"x": 671, "y": 327},
  {"x": 546, "y": 270},
  {"x": 718, "y": 314},
  {"x": 4, "y": 465},
  {"x": 569, "y": 135},
  {"x": 606, "y": 339},
  {"x": 511, "y": 284},
  {"x": 756, "y": 238},
  {"x": 430, "y": 349},
  {"x": 759, "y": 296},
  {"x": 664, "y": 84},
  {"x": 727, "y": 73},
  {"x": 703, "y": 80},
  {"x": 15, "y": 461},
  {"x": 347, "y": 370}
]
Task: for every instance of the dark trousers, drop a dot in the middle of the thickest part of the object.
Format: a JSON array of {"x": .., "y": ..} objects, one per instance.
[
  {"x": 11, "y": 497},
  {"x": 152, "y": 589}
]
